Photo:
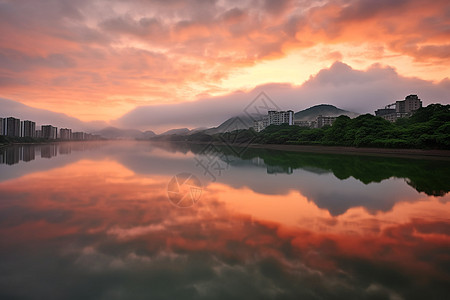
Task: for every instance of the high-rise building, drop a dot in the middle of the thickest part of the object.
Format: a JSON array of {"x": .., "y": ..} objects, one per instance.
[
  {"x": 281, "y": 117},
  {"x": 1, "y": 126},
  {"x": 274, "y": 118},
  {"x": 384, "y": 111},
  {"x": 11, "y": 127},
  {"x": 387, "y": 114},
  {"x": 302, "y": 123},
  {"x": 403, "y": 108},
  {"x": 65, "y": 134},
  {"x": 28, "y": 129},
  {"x": 78, "y": 136},
  {"x": 410, "y": 104},
  {"x": 49, "y": 132}
]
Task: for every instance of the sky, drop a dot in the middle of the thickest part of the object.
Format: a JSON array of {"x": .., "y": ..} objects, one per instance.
[{"x": 171, "y": 63}]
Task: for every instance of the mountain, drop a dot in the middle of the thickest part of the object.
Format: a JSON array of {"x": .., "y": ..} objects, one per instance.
[
  {"x": 177, "y": 131},
  {"x": 148, "y": 134},
  {"x": 114, "y": 133},
  {"x": 198, "y": 129},
  {"x": 10, "y": 108},
  {"x": 310, "y": 114},
  {"x": 233, "y": 123}
]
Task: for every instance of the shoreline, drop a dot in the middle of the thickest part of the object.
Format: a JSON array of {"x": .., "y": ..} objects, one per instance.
[
  {"x": 391, "y": 152},
  {"x": 341, "y": 150},
  {"x": 47, "y": 142},
  {"x": 24, "y": 144},
  {"x": 322, "y": 149}
]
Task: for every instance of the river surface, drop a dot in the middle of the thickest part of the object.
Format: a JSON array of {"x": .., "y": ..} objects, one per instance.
[{"x": 135, "y": 220}]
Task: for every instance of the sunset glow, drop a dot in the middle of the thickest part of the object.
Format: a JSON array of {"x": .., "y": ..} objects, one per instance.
[{"x": 96, "y": 60}]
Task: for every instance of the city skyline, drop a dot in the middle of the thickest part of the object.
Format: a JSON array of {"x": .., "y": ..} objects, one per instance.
[
  {"x": 15, "y": 127},
  {"x": 128, "y": 64}
]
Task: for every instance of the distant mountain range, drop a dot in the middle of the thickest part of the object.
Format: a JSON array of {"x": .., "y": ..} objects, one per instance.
[
  {"x": 233, "y": 123},
  {"x": 60, "y": 120},
  {"x": 114, "y": 133},
  {"x": 117, "y": 133},
  {"x": 178, "y": 131}
]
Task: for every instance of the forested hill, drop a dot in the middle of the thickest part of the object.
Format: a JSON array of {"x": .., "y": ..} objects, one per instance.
[{"x": 428, "y": 128}]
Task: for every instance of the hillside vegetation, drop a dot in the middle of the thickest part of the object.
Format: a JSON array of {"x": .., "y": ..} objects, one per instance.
[{"x": 428, "y": 128}]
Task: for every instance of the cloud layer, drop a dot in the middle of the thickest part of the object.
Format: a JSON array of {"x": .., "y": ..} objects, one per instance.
[
  {"x": 73, "y": 56},
  {"x": 340, "y": 85}
]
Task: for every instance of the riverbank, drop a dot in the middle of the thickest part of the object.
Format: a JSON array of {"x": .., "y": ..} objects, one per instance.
[
  {"x": 27, "y": 143},
  {"x": 388, "y": 152},
  {"x": 391, "y": 152},
  {"x": 409, "y": 153}
]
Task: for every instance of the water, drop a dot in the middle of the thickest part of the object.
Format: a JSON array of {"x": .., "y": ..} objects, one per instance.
[{"x": 105, "y": 221}]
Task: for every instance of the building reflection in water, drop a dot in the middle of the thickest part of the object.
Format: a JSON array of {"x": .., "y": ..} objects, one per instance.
[
  {"x": 27, "y": 153},
  {"x": 279, "y": 170},
  {"x": 49, "y": 151},
  {"x": 12, "y": 155},
  {"x": 65, "y": 149},
  {"x": 16, "y": 153}
]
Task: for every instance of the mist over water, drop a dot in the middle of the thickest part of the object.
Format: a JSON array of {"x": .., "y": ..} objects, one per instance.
[{"x": 96, "y": 221}]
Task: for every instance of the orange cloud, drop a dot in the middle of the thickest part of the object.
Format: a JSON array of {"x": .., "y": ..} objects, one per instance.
[{"x": 66, "y": 57}]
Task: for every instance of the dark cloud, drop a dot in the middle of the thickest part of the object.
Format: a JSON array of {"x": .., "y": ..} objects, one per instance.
[
  {"x": 277, "y": 7},
  {"x": 144, "y": 27},
  {"x": 17, "y": 61},
  {"x": 27, "y": 13},
  {"x": 9, "y": 81},
  {"x": 18, "y": 215},
  {"x": 366, "y": 9},
  {"x": 424, "y": 52},
  {"x": 234, "y": 15}
]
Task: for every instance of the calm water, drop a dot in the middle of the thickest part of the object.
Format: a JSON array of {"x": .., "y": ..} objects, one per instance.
[{"x": 109, "y": 221}]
